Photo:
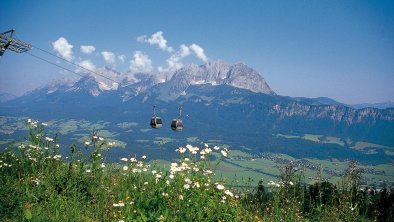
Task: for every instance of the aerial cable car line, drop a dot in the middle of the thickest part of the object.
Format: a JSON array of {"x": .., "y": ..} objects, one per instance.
[
  {"x": 52, "y": 63},
  {"x": 13, "y": 44},
  {"x": 77, "y": 65},
  {"x": 156, "y": 122},
  {"x": 7, "y": 42}
]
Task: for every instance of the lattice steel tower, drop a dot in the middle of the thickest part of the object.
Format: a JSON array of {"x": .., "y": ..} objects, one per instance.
[{"x": 7, "y": 42}]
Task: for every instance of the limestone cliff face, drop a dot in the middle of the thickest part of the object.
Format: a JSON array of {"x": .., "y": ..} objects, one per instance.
[
  {"x": 242, "y": 76},
  {"x": 219, "y": 73}
]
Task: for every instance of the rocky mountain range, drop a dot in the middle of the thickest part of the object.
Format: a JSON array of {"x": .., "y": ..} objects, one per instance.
[
  {"x": 131, "y": 84},
  {"x": 226, "y": 101},
  {"x": 219, "y": 73}
]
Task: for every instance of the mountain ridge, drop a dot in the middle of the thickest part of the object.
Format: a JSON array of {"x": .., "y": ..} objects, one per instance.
[
  {"x": 208, "y": 94},
  {"x": 381, "y": 105},
  {"x": 215, "y": 73}
]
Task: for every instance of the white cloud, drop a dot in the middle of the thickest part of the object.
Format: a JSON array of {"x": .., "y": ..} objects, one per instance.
[
  {"x": 87, "y": 49},
  {"x": 174, "y": 62},
  {"x": 109, "y": 57},
  {"x": 121, "y": 58},
  {"x": 87, "y": 64},
  {"x": 140, "y": 62},
  {"x": 156, "y": 39},
  {"x": 63, "y": 48},
  {"x": 199, "y": 52},
  {"x": 185, "y": 51}
]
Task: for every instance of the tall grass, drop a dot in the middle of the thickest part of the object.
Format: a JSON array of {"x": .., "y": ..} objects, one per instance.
[{"x": 40, "y": 183}]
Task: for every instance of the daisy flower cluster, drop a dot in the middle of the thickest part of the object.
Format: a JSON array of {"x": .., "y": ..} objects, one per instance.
[
  {"x": 186, "y": 180},
  {"x": 40, "y": 146},
  {"x": 134, "y": 165}
]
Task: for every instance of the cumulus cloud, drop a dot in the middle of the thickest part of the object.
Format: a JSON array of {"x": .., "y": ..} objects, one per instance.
[
  {"x": 63, "y": 48},
  {"x": 176, "y": 56},
  {"x": 199, "y": 52},
  {"x": 87, "y": 64},
  {"x": 87, "y": 49},
  {"x": 156, "y": 39},
  {"x": 109, "y": 57},
  {"x": 140, "y": 62},
  {"x": 174, "y": 62},
  {"x": 121, "y": 58},
  {"x": 184, "y": 51}
]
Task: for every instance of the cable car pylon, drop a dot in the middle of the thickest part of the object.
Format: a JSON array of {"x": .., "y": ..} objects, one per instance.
[{"x": 7, "y": 42}]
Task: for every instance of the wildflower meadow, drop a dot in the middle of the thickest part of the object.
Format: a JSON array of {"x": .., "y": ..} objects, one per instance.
[{"x": 39, "y": 182}]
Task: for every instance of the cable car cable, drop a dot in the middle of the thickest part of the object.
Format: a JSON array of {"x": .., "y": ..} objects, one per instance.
[
  {"x": 75, "y": 64},
  {"x": 52, "y": 63},
  {"x": 156, "y": 122}
]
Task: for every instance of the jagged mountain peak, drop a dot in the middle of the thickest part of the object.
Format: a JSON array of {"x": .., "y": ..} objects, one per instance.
[
  {"x": 61, "y": 85},
  {"x": 219, "y": 73},
  {"x": 108, "y": 79},
  {"x": 242, "y": 76},
  {"x": 256, "y": 111},
  {"x": 130, "y": 84},
  {"x": 93, "y": 85},
  {"x": 88, "y": 84}
]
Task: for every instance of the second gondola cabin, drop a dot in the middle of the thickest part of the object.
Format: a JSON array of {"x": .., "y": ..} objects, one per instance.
[
  {"x": 177, "y": 125},
  {"x": 156, "y": 122}
]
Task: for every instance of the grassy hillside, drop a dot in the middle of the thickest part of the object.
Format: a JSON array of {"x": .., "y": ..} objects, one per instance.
[{"x": 39, "y": 183}]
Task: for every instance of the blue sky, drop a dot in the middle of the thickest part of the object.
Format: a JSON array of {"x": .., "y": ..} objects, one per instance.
[{"x": 340, "y": 49}]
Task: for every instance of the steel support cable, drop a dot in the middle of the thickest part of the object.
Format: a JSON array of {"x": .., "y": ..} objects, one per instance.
[
  {"x": 72, "y": 71},
  {"x": 75, "y": 64},
  {"x": 67, "y": 69},
  {"x": 52, "y": 63}
]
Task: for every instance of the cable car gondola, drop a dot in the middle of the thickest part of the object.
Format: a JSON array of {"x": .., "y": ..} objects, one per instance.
[
  {"x": 155, "y": 122},
  {"x": 177, "y": 124}
]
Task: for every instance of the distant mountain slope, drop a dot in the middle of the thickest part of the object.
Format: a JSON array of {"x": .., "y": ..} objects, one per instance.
[
  {"x": 319, "y": 101},
  {"x": 4, "y": 97},
  {"x": 374, "y": 105},
  {"x": 219, "y": 99}
]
